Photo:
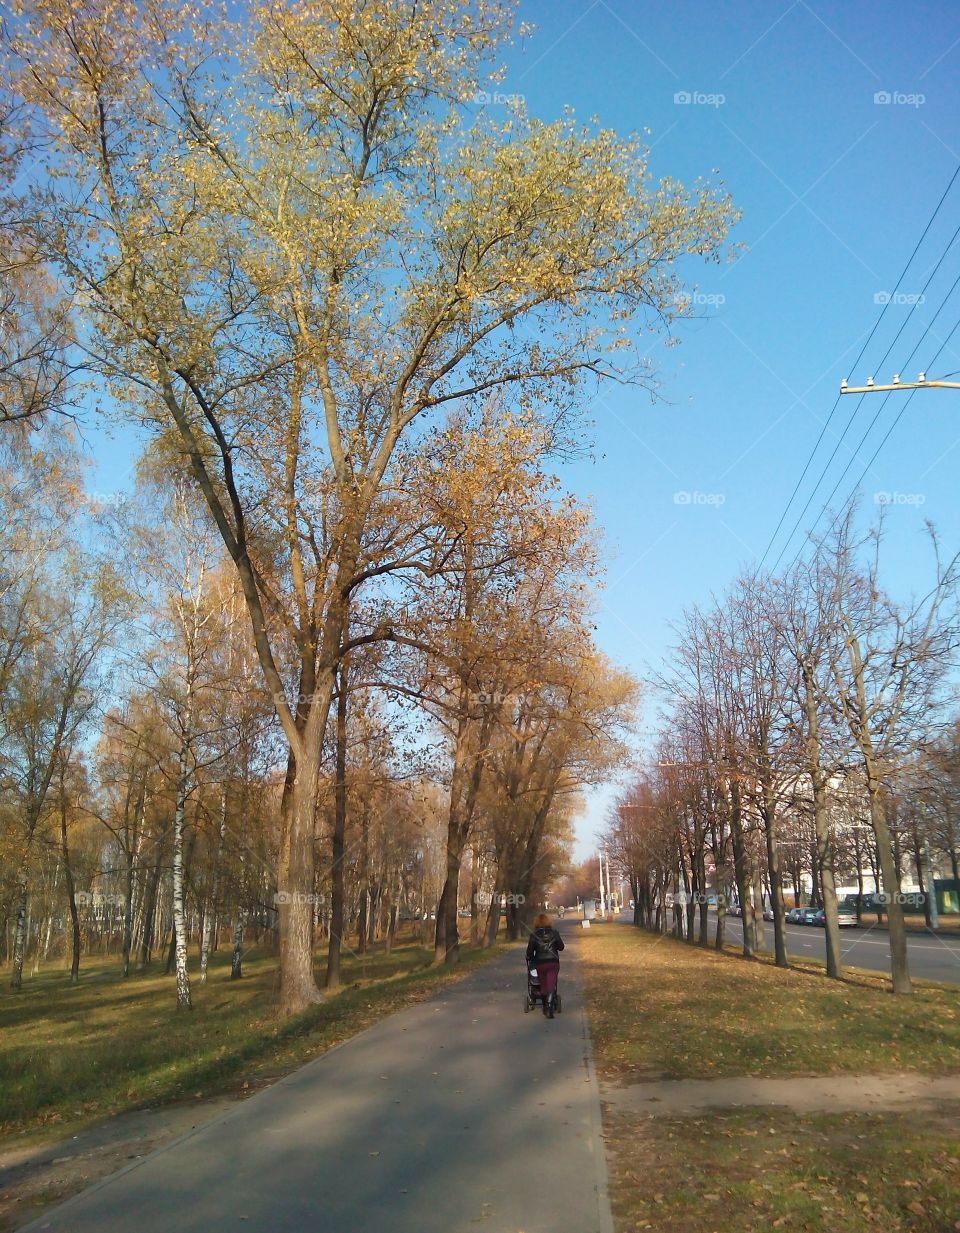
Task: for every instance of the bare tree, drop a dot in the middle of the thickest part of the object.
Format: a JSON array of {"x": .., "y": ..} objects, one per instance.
[{"x": 888, "y": 664}]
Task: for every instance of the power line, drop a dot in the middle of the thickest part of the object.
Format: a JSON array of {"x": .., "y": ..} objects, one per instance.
[
  {"x": 876, "y": 326},
  {"x": 883, "y": 360},
  {"x": 884, "y": 440},
  {"x": 886, "y": 396}
]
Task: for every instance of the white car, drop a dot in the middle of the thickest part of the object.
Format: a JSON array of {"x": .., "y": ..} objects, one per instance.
[{"x": 846, "y": 917}]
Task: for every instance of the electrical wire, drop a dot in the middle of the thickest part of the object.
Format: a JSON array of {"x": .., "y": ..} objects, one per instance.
[
  {"x": 876, "y": 326},
  {"x": 870, "y": 426},
  {"x": 873, "y": 456}
]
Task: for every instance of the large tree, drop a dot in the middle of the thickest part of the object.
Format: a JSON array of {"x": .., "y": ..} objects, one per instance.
[{"x": 293, "y": 239}]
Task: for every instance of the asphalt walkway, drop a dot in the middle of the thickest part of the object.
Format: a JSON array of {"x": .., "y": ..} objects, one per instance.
[{"x": 461, "y": 1113}]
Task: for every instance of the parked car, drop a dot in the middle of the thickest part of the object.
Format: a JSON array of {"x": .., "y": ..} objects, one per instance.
[
  {"x": 734, "y": 910},
  {"x": 768, "y": 913},
  {"x": 846, "y": 917},
  {"x": 802, "y": 916}
]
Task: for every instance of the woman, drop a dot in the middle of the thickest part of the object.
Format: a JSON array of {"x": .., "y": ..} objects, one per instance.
[{"x": 543, "y": 953}]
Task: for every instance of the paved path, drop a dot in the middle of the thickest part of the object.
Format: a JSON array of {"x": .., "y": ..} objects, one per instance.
[
  {"x": 460, "y": 1114},
  {"x": 828, "y": 1094}
]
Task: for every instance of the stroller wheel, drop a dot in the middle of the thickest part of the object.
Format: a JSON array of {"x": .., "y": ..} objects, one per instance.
[{"x": 526, "y": 1003}]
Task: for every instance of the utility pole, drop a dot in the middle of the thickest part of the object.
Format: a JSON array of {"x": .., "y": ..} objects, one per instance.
[{"x": 896, "y": 384}]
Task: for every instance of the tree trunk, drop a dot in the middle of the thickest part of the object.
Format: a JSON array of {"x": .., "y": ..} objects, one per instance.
[
  {"x": 236, "y": 960},
  {"x": 925, "y": 891},
  {"x": 447, "y": 940},
  {"x": 492, "y": 925},
  {"x": 899, "y": 965},
  {"x": 339, "y": 836},
  {"x": 703, "y": 937},
  {"x": 179, "y": 917},
  {"x": 363, "y": 909},
  {"x": 298, "y": 988},
  {"x": 719, "y": 935},
  {"x": 71, "y": 889},
  {"x": 210, "y": 914},
  {"x": 149, "y": 920},
  {"x": 742, "y": 873},
  {"x": 827, "y": 878},
  {"x": 20, "y": 929},
  {"x": 23, "y": 871},
  {"x": 859, "y": 859},
  {"x": 464, "y": 789},
  {"x": 474, "y": 891}
]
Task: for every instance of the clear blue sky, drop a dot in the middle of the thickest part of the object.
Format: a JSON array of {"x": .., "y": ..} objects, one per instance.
[{"x": 835, "y": 189}]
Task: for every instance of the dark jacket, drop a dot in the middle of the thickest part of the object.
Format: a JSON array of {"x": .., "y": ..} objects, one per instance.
[{"x": 544, "y": 946}]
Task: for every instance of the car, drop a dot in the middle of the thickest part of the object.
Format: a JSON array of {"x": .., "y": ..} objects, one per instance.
[
  {"x": 802, "y": 916},
  {"x": 768, "y": 913},
  {"x": 734, "y": 910},
  {"x": 846, "y": 917}
]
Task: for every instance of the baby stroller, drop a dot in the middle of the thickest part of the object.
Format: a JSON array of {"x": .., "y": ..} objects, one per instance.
[{"x": 532, "y": 997}]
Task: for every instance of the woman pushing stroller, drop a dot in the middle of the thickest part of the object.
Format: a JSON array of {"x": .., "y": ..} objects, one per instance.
[{"x": 543, "y": 953}]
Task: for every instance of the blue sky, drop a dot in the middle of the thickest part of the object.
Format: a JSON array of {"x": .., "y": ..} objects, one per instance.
[{"x": 835, "y": 187}]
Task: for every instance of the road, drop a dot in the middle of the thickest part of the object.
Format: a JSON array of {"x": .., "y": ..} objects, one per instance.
[
  {"x": 459, "y": 1114},
  {"x": 935, "y": 958}
]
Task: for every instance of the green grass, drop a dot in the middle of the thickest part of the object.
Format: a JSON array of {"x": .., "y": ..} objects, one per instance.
[
  {"x": 73, "y": 1054},
  {"x": 661, "y": 1008},
  {"x": 759, "y": 1170}
]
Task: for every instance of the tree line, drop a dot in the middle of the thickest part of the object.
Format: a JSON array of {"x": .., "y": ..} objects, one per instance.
[
  {"x": 354, "y": 316},
  {"x": 145, "y": 775},
  {"x": 809, "y": 739}
]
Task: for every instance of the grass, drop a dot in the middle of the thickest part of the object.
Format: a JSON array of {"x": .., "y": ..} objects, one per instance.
[
  {"x": 662, "y": 1009},
  {"x": 70, "y": 1055},
  {"x": 759, "y": 1171}
]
